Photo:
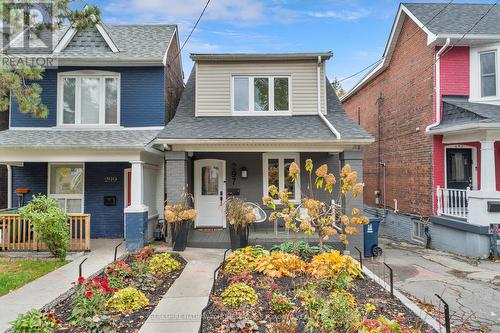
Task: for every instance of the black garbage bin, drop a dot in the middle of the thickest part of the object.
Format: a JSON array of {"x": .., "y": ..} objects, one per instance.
[{"x": 370, "y": 238}]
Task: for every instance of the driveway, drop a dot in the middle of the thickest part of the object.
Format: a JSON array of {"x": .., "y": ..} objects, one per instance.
[{"x": 471, "y": 287}]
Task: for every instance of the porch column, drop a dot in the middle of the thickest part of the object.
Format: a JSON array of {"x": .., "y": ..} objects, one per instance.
[
  {"x": 488, "y": 181},
  {"x": 136, "y": 215}
]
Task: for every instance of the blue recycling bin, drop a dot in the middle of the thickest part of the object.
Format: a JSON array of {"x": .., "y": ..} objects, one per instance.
[{"x": 370, "y": 238}]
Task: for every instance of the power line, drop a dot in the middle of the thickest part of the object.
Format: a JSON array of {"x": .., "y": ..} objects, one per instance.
[{"x": 404, "y": 42}]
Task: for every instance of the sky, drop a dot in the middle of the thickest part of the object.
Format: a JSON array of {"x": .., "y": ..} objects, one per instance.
[{"x": 356, "y": 31}]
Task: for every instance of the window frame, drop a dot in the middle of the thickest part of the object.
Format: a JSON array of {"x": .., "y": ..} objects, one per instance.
[
  {"x": 281, "y": 157},
  {"x": 475, "y": 84},
  {"x": 494, "y": 52},
  {"x": 67, "y": 196},
  {"x": 78, "y": 76},
  {"x": 418, "y": 231},
  {"x": 251, "y": 102}
]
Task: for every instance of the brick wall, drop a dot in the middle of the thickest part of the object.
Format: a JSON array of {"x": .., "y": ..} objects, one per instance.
[{"x": 406, "y": 110}]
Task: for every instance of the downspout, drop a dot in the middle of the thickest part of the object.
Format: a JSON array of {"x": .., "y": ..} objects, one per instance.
[
  {"x": 320, "y": 114},
  {"x": 438, "y": 86},
  {"x": 9, "y": 186}
]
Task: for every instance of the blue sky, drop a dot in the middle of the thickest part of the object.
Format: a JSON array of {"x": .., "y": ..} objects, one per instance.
[{"x": 355, "y": 31}]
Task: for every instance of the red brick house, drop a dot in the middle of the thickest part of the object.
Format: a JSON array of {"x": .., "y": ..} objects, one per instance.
[{"x": 433, "y": 104}]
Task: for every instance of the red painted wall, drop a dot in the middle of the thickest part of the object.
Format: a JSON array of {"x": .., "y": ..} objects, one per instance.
[{"x": 497, "y": 164}]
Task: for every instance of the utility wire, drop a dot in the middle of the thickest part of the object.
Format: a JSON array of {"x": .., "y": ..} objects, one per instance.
[{"x": 404, "y": 42}]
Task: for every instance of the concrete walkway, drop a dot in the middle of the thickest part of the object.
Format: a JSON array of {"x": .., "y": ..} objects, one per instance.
[
  {"x": 471, "y": 287},
  {"x": 48, "y": 287},
  {"x": 180, "y": 309}
]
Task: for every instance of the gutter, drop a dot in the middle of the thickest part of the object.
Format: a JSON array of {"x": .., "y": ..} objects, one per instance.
[
  {"x": 438, "y": 86},
  {"x": 320, "y": 114},
  {"x": 9, "y": 186}
]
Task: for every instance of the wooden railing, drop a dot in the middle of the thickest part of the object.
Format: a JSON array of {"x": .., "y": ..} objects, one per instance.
[
  {"x": 17, "y": 234},
  {"x": 452, "y": 202}
]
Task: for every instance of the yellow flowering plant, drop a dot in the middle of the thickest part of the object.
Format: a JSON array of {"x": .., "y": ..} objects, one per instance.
[
  {"x": 238, "y": 214},
  {"x": 320, "y": 217},
  {"x": 182, "y": 211}
]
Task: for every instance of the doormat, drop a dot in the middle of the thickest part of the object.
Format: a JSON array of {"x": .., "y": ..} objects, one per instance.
[{"x": 209, "y": 230}]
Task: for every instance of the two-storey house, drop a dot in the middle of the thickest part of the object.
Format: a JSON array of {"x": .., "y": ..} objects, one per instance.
[
  {"x": 433, "y": 104},
  {"x": 243, "y": 119},
  {"x": 113, "y": 89}
]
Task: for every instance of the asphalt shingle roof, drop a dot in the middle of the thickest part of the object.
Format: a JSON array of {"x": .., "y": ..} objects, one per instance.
[
  {"x": 94, "y": 139},
  {"x": 457, "y": 18},
  {"x": 458, "y": 110},
  {"x": 186, "y": 126}
]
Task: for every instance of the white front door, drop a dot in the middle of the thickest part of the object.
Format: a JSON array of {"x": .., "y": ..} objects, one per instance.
[{"x": 209, "y": 193}]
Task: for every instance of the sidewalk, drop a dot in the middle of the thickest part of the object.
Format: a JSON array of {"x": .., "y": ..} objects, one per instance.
[
  {"x": 48, "y": 287},
  {"x": 471, "y": 287},
  {"x": 180, "y": 309}
]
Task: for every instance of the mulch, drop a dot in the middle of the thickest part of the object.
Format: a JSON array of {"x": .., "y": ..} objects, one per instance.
[{"x": 127, "y": 323}]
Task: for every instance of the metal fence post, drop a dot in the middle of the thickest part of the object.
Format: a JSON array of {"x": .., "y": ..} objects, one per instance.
[
  {"x": 116, "y": 250},
  {"x": 360, "y": 257},
  {"x": 391, "y": 278},
  {"x": 80, "y": 268},
  {"x": 446, "y": 314}
]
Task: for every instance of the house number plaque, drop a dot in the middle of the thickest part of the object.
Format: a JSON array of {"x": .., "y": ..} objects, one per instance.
[{"x": 110, "y": 179}]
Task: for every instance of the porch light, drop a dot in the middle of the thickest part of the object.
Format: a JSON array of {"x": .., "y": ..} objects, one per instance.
[{"x": 244, "y": 173}]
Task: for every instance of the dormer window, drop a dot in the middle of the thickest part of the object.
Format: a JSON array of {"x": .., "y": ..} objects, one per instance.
[
  {"x": 89, "y": 98},
  {"x": 261, "y": 94}
]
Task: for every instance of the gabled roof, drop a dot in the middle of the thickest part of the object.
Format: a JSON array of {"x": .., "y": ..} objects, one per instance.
[
  {"x": 185, "y": 126},
  {"x": 113, "y": 43},
  {"x": 458, "y": 112},
  {"x": 439, "y": 21}
]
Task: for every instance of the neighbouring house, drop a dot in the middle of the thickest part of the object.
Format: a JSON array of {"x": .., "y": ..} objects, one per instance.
[
  {"x": 4, "y": 124},
  {"x": 113, "y": 89},
  {"x": 243, "y": 119},
  {"x": 433, "y": 105}
]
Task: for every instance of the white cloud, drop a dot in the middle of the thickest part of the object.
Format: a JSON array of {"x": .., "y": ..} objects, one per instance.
[{"x": 345, "y": 14}]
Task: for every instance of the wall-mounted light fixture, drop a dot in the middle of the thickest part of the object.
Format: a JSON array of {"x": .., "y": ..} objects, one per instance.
[{"x": 244, "y": 173}]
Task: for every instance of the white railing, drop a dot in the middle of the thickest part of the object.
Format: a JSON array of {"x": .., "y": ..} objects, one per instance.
[{"x": 452, "y": 202}]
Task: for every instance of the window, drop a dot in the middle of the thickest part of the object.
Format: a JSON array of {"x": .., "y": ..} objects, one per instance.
[
  {"x": 488, "y": 74},
  {"x": 275, "y": 167},
  {"x": 261, "y": 94},
  {"x": 66, "y": 185},
  {"x": 418, "y": 231},
  {"x": 89, "y": 99}
]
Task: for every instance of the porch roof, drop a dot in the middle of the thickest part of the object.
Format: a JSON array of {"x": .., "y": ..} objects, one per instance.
[
  {"x": 73, "y": 138},
  {"x": 185, "y": 126},
  {"x": 458, "y": 112}
]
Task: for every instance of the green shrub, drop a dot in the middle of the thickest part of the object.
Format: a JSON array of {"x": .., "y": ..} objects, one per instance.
[
  {"x": 89, "y": 300},
  {"x": 336, "y": 314},
  {"x": 299, "y": 248},
  {"x": 34, "y": 322},
  {"x": 238, "y": 294},
  {"x": 127, "y": 300},
  {"x": 50, "y": 223},
  {"x": 117, "y": 273},
  {"x": 281, "y": 304},
  {"x": 243, "y": 259},
  {"x": 163, "y": 263}
]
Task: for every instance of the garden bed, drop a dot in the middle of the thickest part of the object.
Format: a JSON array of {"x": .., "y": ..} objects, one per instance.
[
  {"x": 301, "y": 297},
  {"x": 120, "y": 298}
]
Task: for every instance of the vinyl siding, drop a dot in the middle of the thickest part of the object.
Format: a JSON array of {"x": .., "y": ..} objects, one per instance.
[
  {"x": 142, "y": 100},
  {"x": 213, "y": 84}
]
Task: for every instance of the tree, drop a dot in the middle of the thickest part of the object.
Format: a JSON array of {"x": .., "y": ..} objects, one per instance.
[
  {"x": 16, "y": 82},
  {"x": 337, "y": 87}
]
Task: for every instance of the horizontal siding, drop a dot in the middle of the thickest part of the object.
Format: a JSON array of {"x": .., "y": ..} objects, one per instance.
[
  {"x": 142, "y": 100},
  {"x": 213, "y": 84}
]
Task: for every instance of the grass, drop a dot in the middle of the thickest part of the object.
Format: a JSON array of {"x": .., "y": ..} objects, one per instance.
[{"x": 15, "y": 273}]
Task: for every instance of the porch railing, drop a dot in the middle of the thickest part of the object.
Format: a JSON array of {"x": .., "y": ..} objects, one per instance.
[
  {"x": 452, "y": 202},
  {"x": 17, "y": 234}
]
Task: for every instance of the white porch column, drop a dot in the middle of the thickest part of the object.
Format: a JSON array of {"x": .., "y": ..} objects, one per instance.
[
  {"x": 137, "y": 185},
  {"x": 488, "y": 181}
]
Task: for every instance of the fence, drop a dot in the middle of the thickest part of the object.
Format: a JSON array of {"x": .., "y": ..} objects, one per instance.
[
  {"x": 17, "y": 234},
  {"x": 452, "y": 202}
]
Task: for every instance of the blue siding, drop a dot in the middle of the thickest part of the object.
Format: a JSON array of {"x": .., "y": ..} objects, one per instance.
[
  {"x": 107, "y": 221},
  {"x": 32, "y": 176},
  {"x": 142, "y": 97},
  {"x": 137, "y": 229}
]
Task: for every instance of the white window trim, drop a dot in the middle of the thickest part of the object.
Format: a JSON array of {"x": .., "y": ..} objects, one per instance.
[
  {"x": 265, "y": 172},
  {"x": 475, "y": 74},
  {"x": 102, "y": 112},
  {"x": 251, "y": 111},
  {"x": 67, "y": 196},
  {"x": 414, "y": 236}
]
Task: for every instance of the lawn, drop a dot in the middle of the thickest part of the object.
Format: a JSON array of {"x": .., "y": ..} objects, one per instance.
[{"x": 15, "y": 273}]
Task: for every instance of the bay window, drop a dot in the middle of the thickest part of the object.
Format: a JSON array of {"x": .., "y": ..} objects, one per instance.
[
  {"x": 89, "y": 99},
  {"x": 276, "y": 167},
  {"x": 262, "y": 94},
  {"x": 66, "y": 186}
]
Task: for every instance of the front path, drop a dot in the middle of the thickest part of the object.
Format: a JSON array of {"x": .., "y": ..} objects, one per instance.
[
  {"x": 50, "y": 286},
  {"x": 471, "y": 287},
  {"x": 180, "y": 309}
]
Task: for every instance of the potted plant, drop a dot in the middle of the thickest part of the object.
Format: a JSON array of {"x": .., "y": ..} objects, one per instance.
[
  {"x": 180, "y": 215},
  {"x": 239, "y": 215}
]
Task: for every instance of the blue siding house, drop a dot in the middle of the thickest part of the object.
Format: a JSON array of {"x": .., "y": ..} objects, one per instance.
[{"x": 113, "y": 89}]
